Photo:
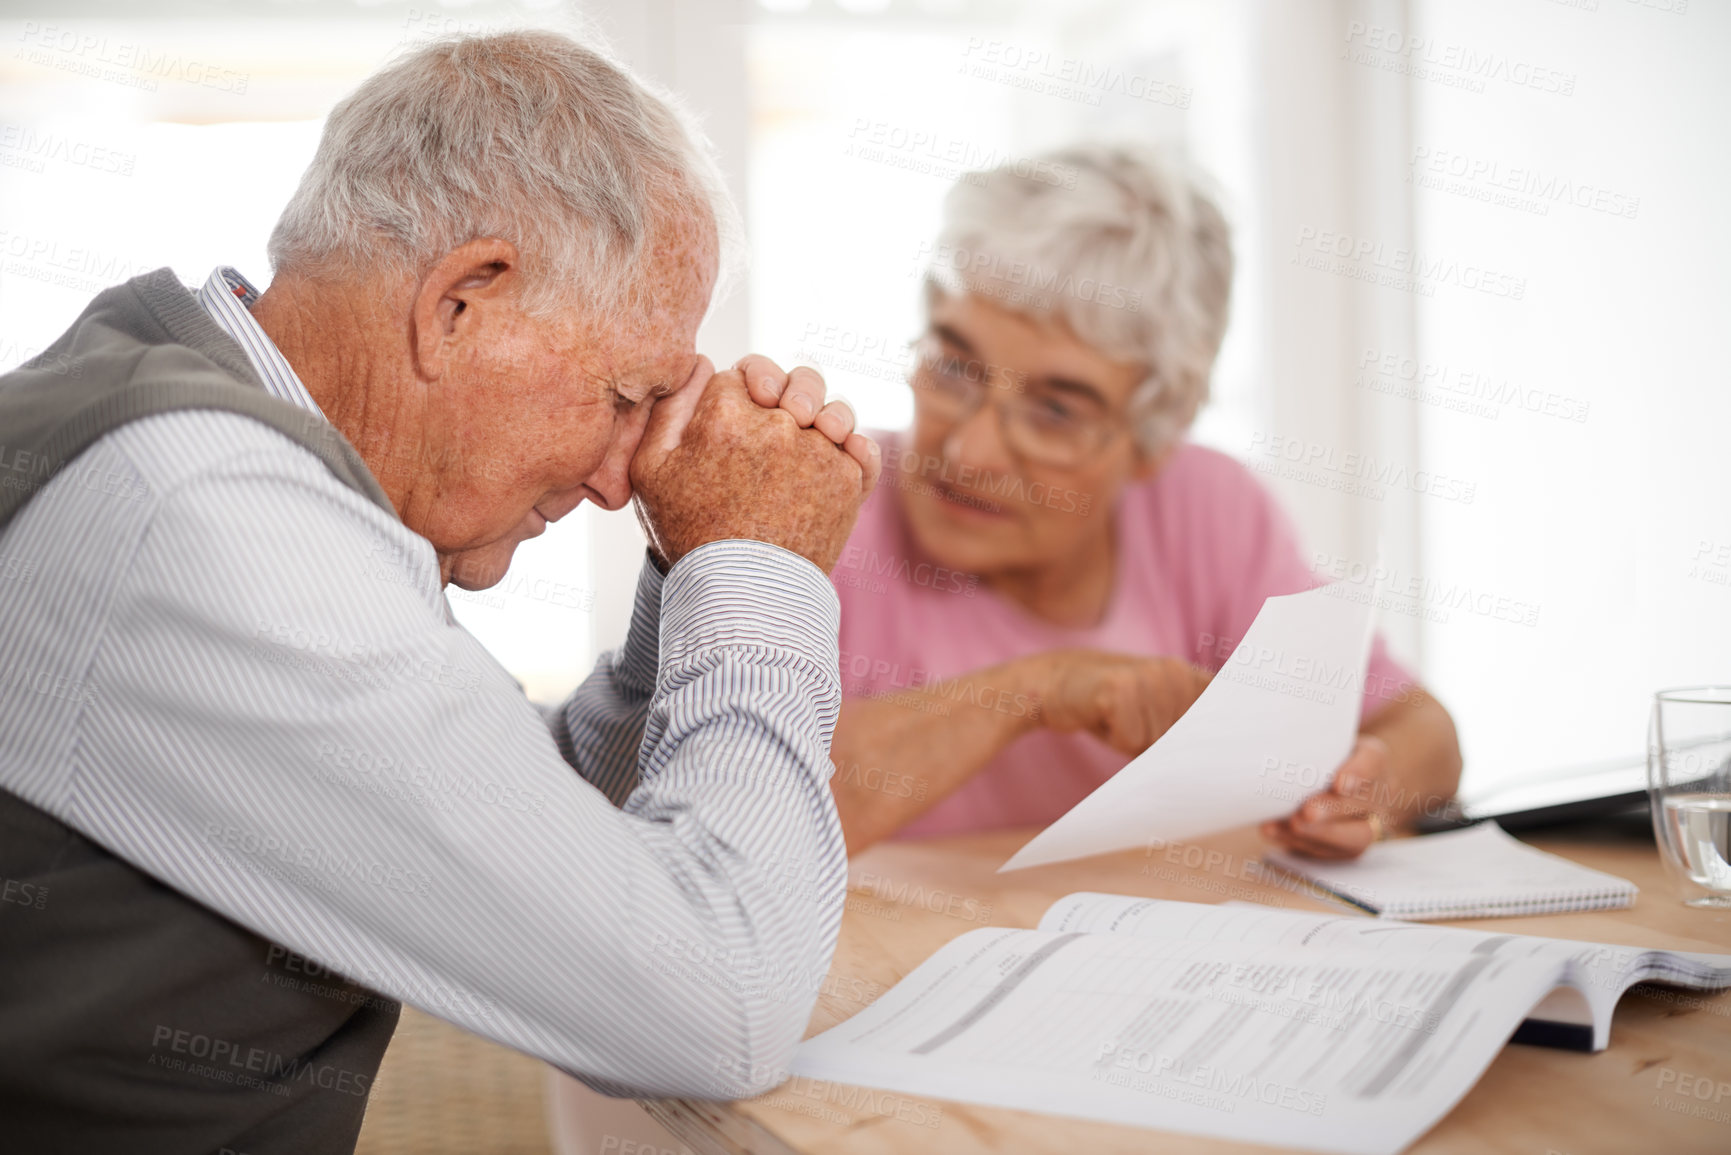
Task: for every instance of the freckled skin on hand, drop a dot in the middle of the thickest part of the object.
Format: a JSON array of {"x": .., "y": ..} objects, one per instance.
[{"x": 742, "y": 471}]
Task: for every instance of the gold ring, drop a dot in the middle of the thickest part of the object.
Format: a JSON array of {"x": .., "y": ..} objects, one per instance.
[{"x": 1378, "y": 829}]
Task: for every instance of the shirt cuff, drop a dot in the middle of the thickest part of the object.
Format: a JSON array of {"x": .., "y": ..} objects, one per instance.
[
  {"x": 751, "y": 594},
  {"x": 639, "y": 657}
]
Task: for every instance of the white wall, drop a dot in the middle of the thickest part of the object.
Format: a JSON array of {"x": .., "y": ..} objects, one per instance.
[
  {"x": 1326, "y": 130},
  {"x": 1618, "y": 527}
]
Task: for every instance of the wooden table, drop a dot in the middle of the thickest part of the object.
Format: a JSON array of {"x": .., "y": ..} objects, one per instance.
[{"x": 907, "y": 899}]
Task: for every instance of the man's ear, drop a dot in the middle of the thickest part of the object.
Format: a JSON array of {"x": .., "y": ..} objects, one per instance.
[{"x": 454, "y": 293}]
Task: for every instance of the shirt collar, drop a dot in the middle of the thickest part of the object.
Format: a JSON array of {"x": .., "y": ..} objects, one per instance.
[{"x": 227, "y": 296}]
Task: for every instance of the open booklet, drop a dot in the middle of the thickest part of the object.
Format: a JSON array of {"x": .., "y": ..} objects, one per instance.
[{"x": 1244, "y": 1022}]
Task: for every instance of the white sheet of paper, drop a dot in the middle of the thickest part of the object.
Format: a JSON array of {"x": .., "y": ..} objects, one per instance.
[
  {"x": 1269, "y": 731},
  {"x": 1199, "y": 1037},
  {"x": 1604, "y": 971}
]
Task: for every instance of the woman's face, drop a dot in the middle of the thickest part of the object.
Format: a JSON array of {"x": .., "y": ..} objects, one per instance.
[{"x": 1021, "y": 437}]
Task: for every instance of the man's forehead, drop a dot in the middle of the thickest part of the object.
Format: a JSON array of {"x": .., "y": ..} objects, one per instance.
[
  {"x": 684, "y": 250},
  {"x": 649, "y": 345},
  {"x": 678, "y": 286},
  {"x": 678, "y": 282}
]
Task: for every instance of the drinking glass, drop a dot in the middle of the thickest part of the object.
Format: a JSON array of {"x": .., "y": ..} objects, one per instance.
[{"x": 1689, "y": 785}]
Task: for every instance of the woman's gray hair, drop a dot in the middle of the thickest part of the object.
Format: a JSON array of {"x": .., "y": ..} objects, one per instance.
[
  {"x": 1120, "y": 244},
  {"x": 527, "y": 136}
]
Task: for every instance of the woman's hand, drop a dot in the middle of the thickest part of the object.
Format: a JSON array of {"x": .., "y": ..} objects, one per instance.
[
  {"x": 1127, "y": 702},
  {"x": 1342, "y": 821},
  {"x": 894, "y": 763}
]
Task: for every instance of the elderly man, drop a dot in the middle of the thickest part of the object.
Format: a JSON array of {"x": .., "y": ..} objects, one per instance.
[{"x": 244, "y": 748}]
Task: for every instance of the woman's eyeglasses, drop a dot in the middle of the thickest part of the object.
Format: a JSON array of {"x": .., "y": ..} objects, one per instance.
[{"x": 1041, "y": 424}]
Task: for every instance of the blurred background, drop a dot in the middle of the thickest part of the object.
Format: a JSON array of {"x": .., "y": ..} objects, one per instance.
[{"x": 1480, "y": 303}]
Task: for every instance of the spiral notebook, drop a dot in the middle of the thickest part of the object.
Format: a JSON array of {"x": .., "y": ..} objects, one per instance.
[{"x": 1479, "y": 872}]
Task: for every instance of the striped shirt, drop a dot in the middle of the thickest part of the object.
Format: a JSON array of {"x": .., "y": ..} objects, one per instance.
[
  {"x": 243, "y": 678},
  {"x": 228, "y": 297}
]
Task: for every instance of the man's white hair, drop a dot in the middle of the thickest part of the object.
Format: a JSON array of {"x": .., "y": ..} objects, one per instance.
[
  {"x": 1119, "y": 243},
  {"x": 527, "y": 136}
]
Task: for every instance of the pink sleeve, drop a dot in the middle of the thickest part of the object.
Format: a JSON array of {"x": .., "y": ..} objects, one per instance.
[{"x": 1258, "y": 556}]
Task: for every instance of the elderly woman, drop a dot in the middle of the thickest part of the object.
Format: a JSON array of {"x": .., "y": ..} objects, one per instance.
[{"x": 1049, "y": 573}]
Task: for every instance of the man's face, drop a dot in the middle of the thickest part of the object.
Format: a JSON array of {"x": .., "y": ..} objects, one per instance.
[{"x": 533, "y": 416}]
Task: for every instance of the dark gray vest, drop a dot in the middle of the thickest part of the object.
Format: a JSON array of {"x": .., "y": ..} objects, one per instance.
[{"x": 132, "y": 1018}]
